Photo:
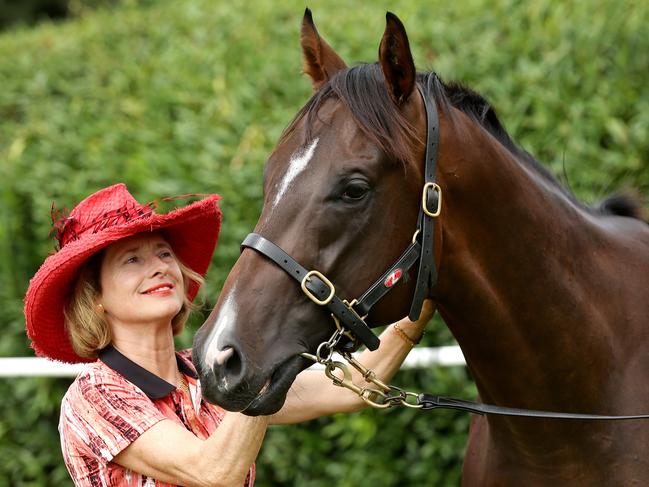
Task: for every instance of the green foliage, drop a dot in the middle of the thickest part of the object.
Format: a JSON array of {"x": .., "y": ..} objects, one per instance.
[
  {"x": 179, "y": 97},
  {"x": 29, "y": 443}
]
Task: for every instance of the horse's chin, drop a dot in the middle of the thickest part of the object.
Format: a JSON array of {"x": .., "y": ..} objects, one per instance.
[{"x": 272, "y": 395}]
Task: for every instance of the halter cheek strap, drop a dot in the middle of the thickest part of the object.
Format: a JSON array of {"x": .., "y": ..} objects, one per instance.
[
  {"x": 350, "y": 316},
  {"x": 431, "y": 206},
  {"x": 423, "y": 241}
]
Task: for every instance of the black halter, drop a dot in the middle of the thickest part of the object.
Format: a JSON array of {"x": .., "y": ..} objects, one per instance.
[{"x": 350, "y": 315}]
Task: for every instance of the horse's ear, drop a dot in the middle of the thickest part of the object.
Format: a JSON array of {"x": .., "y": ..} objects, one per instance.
[
  {"x": 396, "y": 60},
  {"x": 320, "y": 61}
]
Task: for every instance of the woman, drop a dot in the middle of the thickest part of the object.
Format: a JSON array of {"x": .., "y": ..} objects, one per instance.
[{"x": 116, "y": 292}]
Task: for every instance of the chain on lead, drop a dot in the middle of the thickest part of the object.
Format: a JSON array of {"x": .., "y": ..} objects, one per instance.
[
  {"x": 392, "y": 395},
  {"x": 368, "y": 374},
  {"x": 381, "y": 396},
  {"x": 325, "y": 350},
  {"x": 367, "y": 394},
  {"x": 401, "y": 397}
]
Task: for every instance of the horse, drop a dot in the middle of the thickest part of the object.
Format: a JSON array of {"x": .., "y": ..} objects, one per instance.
[{"x": 547, "y": 297}]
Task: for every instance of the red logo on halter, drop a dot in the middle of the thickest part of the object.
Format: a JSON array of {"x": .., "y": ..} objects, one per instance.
[{"x": 393, "y": 278}]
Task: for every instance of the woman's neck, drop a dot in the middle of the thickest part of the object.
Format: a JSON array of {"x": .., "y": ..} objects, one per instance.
[{"x": 152, "y": 349}]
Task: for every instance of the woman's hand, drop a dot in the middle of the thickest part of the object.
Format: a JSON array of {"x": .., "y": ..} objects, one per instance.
[
  {"x": 427, "y": 311},
  {"x": 412, "y": 331}
]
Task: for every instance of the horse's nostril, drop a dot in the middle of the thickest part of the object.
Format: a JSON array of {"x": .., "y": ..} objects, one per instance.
[
  {"x": 222, "y": 356},
  {"x": 231, "y": 363}
]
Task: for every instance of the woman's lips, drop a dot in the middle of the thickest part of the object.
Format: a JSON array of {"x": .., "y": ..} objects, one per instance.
[{"x": 162, "y": 289}]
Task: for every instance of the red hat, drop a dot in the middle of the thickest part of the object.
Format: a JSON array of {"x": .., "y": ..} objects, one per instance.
[{"x": 101, "y": 219}]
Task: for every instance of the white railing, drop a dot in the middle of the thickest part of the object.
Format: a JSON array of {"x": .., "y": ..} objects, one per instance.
[
  {"x": 37, "y": 367},
  {"x": 41, "y": 367}
]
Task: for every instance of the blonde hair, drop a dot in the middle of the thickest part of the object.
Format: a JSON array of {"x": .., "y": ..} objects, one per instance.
[{"x": 88, "y": 328}]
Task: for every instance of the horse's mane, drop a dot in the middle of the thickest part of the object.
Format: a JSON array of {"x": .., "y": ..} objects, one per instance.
[{"x": 362, "y": 89}]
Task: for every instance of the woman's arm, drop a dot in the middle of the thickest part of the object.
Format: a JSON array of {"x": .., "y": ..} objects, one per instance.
[
  {"x": 313, "y": 395},
  {"x": 170, "y": 453}
]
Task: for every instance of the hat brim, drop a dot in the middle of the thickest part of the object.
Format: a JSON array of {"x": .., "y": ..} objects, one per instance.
[{"x": 192, "y": 232}]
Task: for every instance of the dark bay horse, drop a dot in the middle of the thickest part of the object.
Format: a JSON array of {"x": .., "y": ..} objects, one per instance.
[{"x": 548, "y": 298}]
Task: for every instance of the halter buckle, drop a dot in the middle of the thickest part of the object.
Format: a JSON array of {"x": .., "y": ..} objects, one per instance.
[
  {"x": 310, "y": 295},
  {"x": 424, "y": 199},
  {"x": 351, "y": 305}
]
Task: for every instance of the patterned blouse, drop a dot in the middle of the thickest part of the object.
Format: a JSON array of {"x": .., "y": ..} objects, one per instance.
[{"x": 112, "y": 402}]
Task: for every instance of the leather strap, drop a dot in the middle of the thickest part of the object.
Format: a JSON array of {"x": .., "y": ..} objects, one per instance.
[
  {"x": 348, "y": 318},
  {"x": 427, "y": 274},
  {"x": 429, "y": 402},
  {"x": 380, "y": 288}
]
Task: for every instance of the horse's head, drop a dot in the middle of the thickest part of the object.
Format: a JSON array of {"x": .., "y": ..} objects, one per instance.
[{"x": 342, "y": 190}]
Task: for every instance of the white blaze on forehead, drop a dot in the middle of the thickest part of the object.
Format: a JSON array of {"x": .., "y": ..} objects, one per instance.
[
  {"x": 226, "y": 316},
  {"x": 296, "y": 165}
]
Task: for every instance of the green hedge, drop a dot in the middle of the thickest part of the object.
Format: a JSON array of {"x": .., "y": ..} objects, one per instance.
[{"x": 178, "y": 97}]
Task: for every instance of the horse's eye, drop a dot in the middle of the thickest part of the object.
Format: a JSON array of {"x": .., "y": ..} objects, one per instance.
[{"x": 355, "y": 191}]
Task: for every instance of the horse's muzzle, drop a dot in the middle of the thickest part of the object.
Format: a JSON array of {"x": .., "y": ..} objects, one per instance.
[{"x": 237, "y": 384}]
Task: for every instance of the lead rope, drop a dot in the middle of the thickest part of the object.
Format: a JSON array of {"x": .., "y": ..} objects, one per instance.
[
  {"x": 376, "y": 393},
  {"x": 380, "y": 395}
]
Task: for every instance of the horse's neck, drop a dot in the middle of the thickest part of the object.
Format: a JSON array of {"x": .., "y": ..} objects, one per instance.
[{"x": 511, "y": 281}]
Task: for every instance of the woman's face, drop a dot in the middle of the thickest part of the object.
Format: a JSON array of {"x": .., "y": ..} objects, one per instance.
[{"x": 141, "y": 281}]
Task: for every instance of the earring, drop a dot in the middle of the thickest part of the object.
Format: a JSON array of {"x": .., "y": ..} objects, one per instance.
[{"x": 100, "y": 309}]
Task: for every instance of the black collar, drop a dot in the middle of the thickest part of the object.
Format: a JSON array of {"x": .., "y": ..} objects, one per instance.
[{"x": 152, "y": 385}]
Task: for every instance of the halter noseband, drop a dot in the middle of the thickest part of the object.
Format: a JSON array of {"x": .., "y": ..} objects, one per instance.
[{"x": 350, "y": 316}]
